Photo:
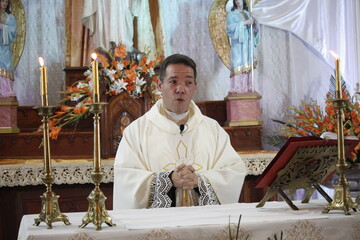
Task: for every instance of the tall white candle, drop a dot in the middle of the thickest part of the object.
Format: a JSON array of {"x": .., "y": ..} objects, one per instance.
[
  {"x": 95, "y": 72},
  {"x": 338, "y": 88}
]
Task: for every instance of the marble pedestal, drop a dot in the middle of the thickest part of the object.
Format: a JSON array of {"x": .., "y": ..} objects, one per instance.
[
  {"x": 243, "y": 109},
  {"x": 8, "y": 115}
]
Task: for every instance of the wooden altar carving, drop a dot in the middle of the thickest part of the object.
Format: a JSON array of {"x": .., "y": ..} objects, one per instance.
[{"x": 119, "y": 113}]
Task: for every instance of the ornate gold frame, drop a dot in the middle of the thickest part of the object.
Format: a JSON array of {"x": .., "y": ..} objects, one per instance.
[{"x": 18, "y": 44}]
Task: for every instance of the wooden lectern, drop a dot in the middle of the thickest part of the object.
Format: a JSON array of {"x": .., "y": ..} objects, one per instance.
[{"x": 302, "y": 163}]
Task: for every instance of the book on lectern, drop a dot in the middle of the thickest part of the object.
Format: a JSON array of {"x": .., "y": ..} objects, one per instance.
[{"x": 291, "y": 147}]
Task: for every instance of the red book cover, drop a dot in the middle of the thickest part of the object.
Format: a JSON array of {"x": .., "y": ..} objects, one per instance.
[{"x": 289, "y": 149}]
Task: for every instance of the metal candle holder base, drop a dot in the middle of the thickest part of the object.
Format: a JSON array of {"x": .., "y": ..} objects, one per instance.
[
  {"x": 97, "y": 213},
  {"x": 342, "y": 199},
  {"x": 50, "y": 211}
]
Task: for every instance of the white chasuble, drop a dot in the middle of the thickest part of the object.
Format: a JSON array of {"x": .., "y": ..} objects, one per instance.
[{"x": 152, "y": 147}]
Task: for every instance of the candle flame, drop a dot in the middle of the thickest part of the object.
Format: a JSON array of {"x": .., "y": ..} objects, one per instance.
[
  {"x": 334, "y": 54},
  {"x": 41, "y": 61},
  {"x": 94, "y": 56}
]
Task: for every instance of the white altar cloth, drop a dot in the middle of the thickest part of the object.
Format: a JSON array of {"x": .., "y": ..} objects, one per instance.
[{"x": 208, "y": 222}]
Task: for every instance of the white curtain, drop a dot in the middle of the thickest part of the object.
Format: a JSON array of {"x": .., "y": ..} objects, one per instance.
[
  {"x": 294, "y": 59},
  {"x": 298, "y": 34},
  {"x": 186, "y": 31},
  {"x": 289, "y": 71},
  {"x": 323, "y": 25},
  {"x": 45, "y": 36}
]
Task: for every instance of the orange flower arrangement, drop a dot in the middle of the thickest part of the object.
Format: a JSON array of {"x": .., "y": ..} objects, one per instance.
[
  {"x": 120, "y": 71},
  {"x": 310, "y": 120}
]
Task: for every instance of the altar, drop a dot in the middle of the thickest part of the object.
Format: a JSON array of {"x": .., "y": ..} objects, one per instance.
[
  {"x": 21, "y": 185},
  {"x": 207, "y": 222}
]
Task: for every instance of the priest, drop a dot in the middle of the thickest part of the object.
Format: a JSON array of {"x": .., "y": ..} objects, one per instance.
[{"x": 174, "y": 155}]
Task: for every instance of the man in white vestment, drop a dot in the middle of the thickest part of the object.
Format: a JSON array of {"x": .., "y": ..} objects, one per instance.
[{"x": 174, "y": 155}]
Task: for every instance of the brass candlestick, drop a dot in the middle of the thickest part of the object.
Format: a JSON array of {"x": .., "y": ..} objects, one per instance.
[
  {"x": 97, "y": 213},
  {"x": 342, "y": 199},
  {"x": 50, "y": 211}
]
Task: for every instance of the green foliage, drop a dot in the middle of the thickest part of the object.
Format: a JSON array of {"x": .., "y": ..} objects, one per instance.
[{"x": 276, "y": 140}]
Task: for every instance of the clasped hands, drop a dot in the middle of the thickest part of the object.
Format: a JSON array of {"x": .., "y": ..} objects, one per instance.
[{"x": 184, "y": 177}]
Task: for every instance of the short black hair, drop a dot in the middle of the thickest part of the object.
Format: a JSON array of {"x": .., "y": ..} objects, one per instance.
[{"x": 177, "y": 59}]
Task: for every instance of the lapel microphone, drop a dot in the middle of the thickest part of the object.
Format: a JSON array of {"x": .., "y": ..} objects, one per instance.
[{"x": 182, "y": 128}]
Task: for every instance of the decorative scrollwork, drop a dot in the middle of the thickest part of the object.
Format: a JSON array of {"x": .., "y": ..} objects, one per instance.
[
  {"x": 123, "y": 121},
  {"x": 309, "y": 165}
]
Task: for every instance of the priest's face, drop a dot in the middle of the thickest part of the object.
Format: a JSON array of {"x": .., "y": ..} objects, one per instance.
[{"x": 178, "y": 87}]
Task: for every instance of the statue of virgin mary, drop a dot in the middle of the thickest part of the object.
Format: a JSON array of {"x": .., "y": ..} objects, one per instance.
[{"x": 244, "y": 36}]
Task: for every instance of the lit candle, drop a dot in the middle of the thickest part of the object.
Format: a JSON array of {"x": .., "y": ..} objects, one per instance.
[
  {"x": 338, "y": 79},
  {"x": 43, "y": 83},
  {"x": 338, "y": 88},
  {"x": 95, "y": 71}
]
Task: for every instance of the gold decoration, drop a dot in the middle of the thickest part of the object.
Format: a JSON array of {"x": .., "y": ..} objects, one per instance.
[
  {"x": 305, "y": 229},
  {"x": 50, "y": 211},
  {"x": 169, "y": 166},
  {"x": 356, "y": 228},
  {"x": 158, "y": 234},
  {"x": 342, "y": 199},
  {"x": 217, "y": 29},
  {"x": 237, "y": 123},
  {"x": 197, "y": 166},
  {"x": 18, "y": 44},
  {"x": 182, "y": 150},
  {"x": 6, "y": 73},
  {"x": 223, "y": 234},
  {"x": 9, "y": 130},
  {"x": 82, "y": 236},
  {"x": 306, "y": 169},
  {"x": 97, "y": 213}
]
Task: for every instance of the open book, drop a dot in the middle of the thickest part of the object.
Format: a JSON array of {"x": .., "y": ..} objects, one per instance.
[{"x": 303, "y": 162}]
